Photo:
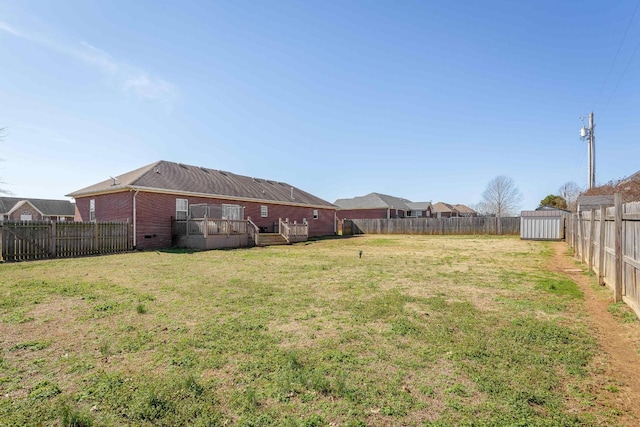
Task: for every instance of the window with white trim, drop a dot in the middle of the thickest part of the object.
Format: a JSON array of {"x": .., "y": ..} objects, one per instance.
[
  {"x": 92, "y": 210},
  {"x": 315, "y": 214},
  {"x": 264, "y": 211},
  {"x": 182, "y": 208}
]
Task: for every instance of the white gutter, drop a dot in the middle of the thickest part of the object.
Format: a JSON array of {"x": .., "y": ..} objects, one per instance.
[{"x": 134, "y": 220}]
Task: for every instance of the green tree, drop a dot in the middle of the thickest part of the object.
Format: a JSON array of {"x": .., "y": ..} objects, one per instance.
[{"x": 554, "y": 201}]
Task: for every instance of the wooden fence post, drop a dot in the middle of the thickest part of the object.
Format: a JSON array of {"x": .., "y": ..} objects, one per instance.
[
  {"x": 618, "y": 248},
  {"x": 592, "y": 229},
  {"x": 580, "y": 238},
  {"x": 603, "y": 228},
  {"x": 53, "y": 240},
  {"x": 95, "y": 246}
]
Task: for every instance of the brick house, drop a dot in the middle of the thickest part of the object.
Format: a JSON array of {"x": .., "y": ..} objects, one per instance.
[
  {"x": 381, "y": 206},
  {"x": 446, "y": 210},
  {"x": 151, "y": 196},
  {"x": 20, "y": 209}
]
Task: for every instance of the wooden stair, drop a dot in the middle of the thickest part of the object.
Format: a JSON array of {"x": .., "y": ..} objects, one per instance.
[{"x": 272, "y": 239}]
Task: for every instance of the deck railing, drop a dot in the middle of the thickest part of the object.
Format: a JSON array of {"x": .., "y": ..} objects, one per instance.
[
  {"x": 207, "y": 226},
  {"x": 293, "y": 232}
]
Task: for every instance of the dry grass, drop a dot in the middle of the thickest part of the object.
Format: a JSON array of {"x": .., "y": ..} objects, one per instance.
[{"x": 419, "y": 331}]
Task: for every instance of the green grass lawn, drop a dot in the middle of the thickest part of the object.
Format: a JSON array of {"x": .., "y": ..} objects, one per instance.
[{"x": 419, "y": 331}]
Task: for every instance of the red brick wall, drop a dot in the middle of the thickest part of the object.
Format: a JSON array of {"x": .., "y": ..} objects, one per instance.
[
  {"x": 109, "y": 207},
  {"x": 154, "y": 212},
  {"x": 35, "y": 216}
]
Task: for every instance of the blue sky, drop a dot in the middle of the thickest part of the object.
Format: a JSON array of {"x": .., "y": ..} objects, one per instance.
[{"x": 426, "y": 100}]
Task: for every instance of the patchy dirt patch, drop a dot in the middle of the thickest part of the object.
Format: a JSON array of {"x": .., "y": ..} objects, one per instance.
[{"x": 620, "y": 362}]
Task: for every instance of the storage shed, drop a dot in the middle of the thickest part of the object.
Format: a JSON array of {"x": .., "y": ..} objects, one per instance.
[{"x": 543, "y": 224}]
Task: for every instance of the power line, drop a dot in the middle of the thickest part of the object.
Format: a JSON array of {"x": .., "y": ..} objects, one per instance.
[
  {"x": 606, "y": 79},
  {"x": 619, "y": 80}
]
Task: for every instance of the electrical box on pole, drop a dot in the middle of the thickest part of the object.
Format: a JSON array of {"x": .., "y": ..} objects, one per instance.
[{"x": 586, "y": 133}]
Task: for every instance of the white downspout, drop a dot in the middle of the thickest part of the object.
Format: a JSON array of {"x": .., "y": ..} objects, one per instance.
[{"x": 135, "y": 238}]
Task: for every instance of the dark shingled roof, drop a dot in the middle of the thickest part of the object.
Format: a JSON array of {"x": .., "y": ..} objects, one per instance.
[
  {"x": 46, "y": 206},
  {"x": 180, "y": 178},
  {"x": 373, "y": 201}
]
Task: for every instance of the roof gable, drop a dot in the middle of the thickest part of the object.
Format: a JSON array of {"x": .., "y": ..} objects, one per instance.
[
  {"x": 181, "y": 178},
  {"x": 49, "y": 207},
  {"x": 24, "y": 204},
  {"x": 464, "y": 209},
  {"x": 443, "y": 207}
]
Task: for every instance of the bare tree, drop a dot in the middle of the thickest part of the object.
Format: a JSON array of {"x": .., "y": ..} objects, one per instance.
[
  {"x": 570, "y": 192},
  {"x": 501, "y": 197}
]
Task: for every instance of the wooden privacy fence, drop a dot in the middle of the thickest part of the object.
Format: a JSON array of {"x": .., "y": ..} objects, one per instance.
[
  {"x": 608, "y": 241},
  {"x": 31, "y": 240},
  {"x": 434, "y": 226}
]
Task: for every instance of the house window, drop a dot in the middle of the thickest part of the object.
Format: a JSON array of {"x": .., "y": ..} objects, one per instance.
[
  {"x": 315, "y": 214},
  {"x": 233, "y": 212},
  {"x": 26, "y": 216},
  {"x": 92, "y": 210},
  {"x": 264, "y": 211},
  {"x": 182, "y": 208}
]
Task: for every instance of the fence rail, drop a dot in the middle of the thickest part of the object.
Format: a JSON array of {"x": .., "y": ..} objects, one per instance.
[
  {"x": 31, "y": 240},
  {"x": 433, "y": 226},
  {"x": 608, "y": 241}
]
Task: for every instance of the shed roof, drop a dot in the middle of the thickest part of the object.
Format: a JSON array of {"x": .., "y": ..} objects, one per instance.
[
  {"x": 180, "y": 179},
  {"x": 45, "y": 206}
]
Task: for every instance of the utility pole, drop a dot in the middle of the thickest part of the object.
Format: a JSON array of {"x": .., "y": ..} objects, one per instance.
[{"x": 588, "y": 135}]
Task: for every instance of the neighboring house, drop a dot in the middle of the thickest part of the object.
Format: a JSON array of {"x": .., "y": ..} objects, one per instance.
[
  {"x": 381, "y": 206},
  {"x": 464, "y": 210},
  {"x": 633, "y": 178},
  {"x": 419, "y": 209},
  {"x": 152, "y": 196},
  {"x": 446, "y": 210},
  {"x": 21, "y": 209}
]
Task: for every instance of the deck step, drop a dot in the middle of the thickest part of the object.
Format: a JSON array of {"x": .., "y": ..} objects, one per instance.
[{"x": 272, "y": 239}]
